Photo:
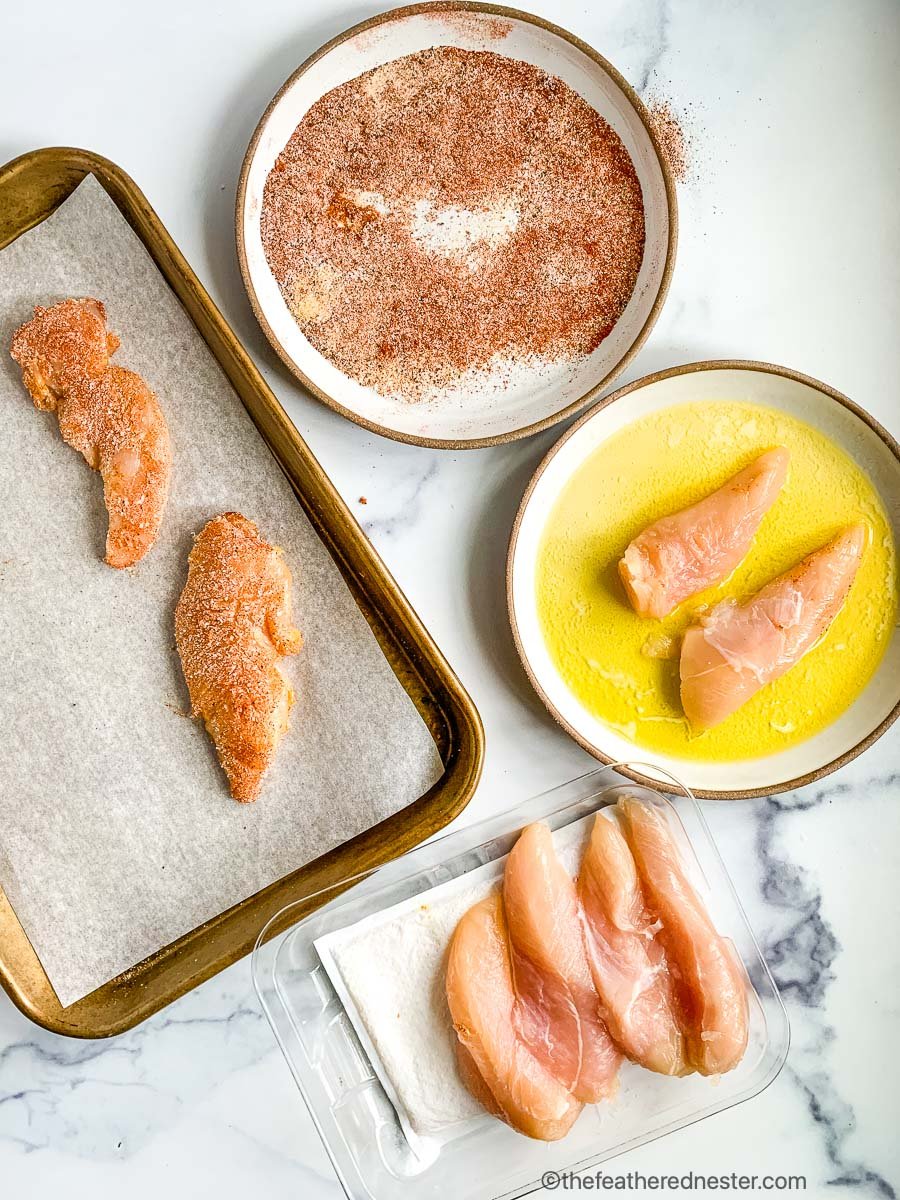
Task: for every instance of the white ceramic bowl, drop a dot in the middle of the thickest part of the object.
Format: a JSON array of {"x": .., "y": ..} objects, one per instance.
[
  {"x": 461, "y": 420},
  {"x": 871, "y": 446}
]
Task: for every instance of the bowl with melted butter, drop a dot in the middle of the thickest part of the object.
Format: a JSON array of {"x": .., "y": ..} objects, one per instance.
[{"x": 612, "y": 676}]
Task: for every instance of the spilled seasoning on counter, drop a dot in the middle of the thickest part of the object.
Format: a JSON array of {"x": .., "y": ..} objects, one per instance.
[
  {"x": 453, "y": 214},
  {"x": 673, "y": 140}
]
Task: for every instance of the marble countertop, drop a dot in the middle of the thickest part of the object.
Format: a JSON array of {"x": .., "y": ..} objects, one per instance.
[{"x": 790, "y": 239}]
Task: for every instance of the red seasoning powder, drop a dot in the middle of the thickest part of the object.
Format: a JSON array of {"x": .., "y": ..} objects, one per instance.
[{"x": 451, "y": 212}]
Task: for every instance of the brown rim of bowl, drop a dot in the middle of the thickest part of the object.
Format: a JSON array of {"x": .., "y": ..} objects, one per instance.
[
  {"x": 496, "y": 10},
  {"x": 723, "y": 364}
]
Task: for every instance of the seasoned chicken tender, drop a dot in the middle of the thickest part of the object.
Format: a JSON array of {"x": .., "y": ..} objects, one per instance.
[
  {"x": 62, "y": 345},
  {"x": 117, "y": 424},
  {"x": 232, "y": 623},
  {"x": 106, "y": 413}
]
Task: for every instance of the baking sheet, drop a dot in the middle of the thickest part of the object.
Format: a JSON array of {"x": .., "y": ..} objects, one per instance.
[{"x": 117, "y": 834}]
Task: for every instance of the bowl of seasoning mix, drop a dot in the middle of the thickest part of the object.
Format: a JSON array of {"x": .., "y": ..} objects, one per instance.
[{"x": 455, "y": 224}]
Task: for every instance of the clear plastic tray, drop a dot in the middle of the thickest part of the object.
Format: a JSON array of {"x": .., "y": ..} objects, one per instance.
[{"x": 340, "y": 1082}]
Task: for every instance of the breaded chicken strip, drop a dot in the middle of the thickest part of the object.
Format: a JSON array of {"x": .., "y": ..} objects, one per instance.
[
  {"x": 60, "y": 346},
  {"x": 232, "y": 623},
  {"x": 106, "y": 413}
]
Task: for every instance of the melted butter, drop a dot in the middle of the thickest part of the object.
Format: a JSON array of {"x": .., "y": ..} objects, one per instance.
[{"x": 615, "y": 662}]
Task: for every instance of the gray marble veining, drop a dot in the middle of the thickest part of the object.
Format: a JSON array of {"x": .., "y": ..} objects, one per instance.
[{"x": 787, "y": 221}]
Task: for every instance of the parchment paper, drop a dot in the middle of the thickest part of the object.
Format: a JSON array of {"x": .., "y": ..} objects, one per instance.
[{"x": 117, "y": 832}]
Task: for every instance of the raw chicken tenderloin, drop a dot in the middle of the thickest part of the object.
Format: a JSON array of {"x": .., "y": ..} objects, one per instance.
[
  {"x": 710, "y": 981},
  {"x": 491, "y": 1054},
  {"x": 557, "y": 1009},
  {"x": 739, "y": 648},
  {"x": 627, "y": 962},
  {"x": 691, "y": 550}
]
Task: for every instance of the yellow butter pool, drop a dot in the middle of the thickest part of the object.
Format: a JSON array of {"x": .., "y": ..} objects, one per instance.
[{"x": 662, "y": 463}]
